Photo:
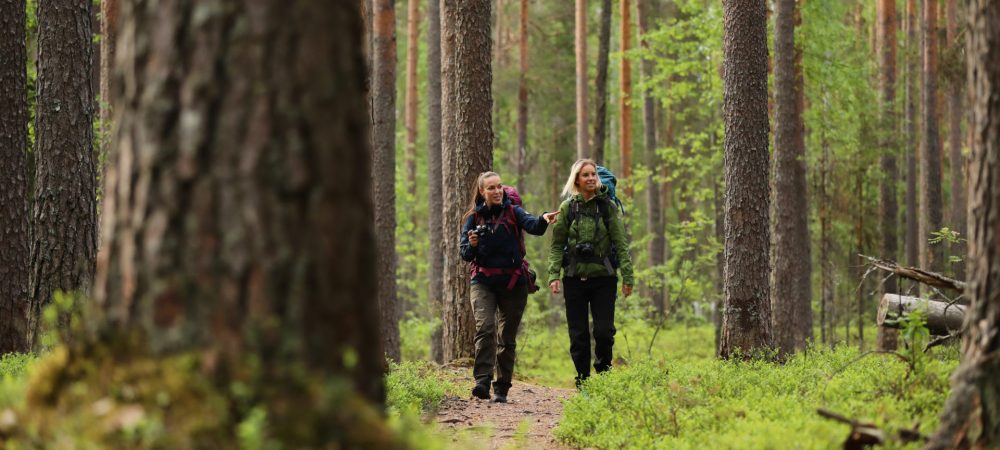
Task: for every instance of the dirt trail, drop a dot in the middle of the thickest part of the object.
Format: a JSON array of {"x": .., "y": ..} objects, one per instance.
[{"x": 526, "y": 421}]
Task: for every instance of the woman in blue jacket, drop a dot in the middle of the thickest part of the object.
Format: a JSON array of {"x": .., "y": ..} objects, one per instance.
[{"x": 492, "y": 242}]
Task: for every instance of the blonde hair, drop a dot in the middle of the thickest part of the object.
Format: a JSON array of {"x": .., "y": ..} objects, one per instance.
[
  {"x": 476, "y": 196},
  {"x": 571, "y": 189}
]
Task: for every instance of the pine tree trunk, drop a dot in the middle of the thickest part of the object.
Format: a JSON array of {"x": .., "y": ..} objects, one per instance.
[
  {"x": 384, "y": 169},
  {"x": 435, "y": 207},
  {"x": 747, "y": 319},
  {"x": 654, "y": 221},
  {"x": 912, "y": 210},
  {"x": 825, "y": 260},
  {"x": 412, "y": 50},
  {"x": 109, "y": 35},
  {"x": 625, "y": 91},
  {"x": 971, "y": 417},
  {"x": 601, "y": 116},
  {"x": 890, "y": 211},
  {"x": 15, "y": 242},
  {"x": 931, "y": 255},
  {"x": 248, "y": 229},
  {"x": 468, "y": 138},
  {"x": 581, "y": 79},
  {"x": 522, "y": 99},
  {"x": 791, "y": 294},
  {"x": 958, "y": 186},
  {"x": 65, "y": 208}
]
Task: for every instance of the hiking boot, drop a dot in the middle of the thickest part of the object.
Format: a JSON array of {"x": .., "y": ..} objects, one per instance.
[
  {"x": 500, "y": 398},
  {"x": 481, "y": 391},
  {"x": 579, "y": 382}
]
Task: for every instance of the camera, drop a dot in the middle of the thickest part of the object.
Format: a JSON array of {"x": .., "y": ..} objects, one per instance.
[
  {"x": 481, "y": 230},
  {"x": 585, "y": 249}
]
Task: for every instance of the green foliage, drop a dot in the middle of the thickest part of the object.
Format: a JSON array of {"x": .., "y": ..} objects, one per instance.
[
  {"x": 913, "y": 330},
  {"x": 707, "y": 403},
  {"x": 416, "y": 387}
]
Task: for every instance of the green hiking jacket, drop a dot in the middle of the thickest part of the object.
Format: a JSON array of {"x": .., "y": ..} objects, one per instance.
[{"x": 583, "y": 229}]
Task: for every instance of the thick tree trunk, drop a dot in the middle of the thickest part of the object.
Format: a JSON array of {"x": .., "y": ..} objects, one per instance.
[
  {"x": 887, "y": 60},
  {"x": 384, "y": 169},
  {"x": 468, "y": 139},
  {"x": 435, "y": 207},
  {"x": 625, "y": 91},
  {"x": 958, "y": 187},
  {"x": 601, "y": 116},
  {"x": 248, "y": 228},
  {"x": 65, "y": 208},
  {"x": 654, "y": 220},
  {"x": 522, "y": 99},
  {"x": 971, "y": 417},
  {"x": 747, "y": 319},
  {"x": 15, "y": 242},
  {"x": 581, "y": 79},
  {"x": 931, "y": 255},
  {"x": 912, "y": 210},
  {"x": 791, "y": 294},
  {"x": 942, "y": 317}
]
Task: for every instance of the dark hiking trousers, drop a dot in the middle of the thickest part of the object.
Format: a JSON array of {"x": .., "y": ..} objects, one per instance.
[
  {"x": 598, "y": 296},
  {"x": 498, "y": 314}
]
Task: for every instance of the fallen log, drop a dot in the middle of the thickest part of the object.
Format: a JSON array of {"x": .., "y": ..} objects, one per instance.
[
  {"x": 942, "y": 317},
  {"x": 926, "y": 277}
]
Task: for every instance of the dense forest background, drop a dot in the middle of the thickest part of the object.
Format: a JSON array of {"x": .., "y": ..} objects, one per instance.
[{"x": 233, "y": 224}]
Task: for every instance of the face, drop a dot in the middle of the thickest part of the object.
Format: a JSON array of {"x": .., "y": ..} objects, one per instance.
[
  {"x": 492, "y": 190},
  {"x": 586, "y": 180}
]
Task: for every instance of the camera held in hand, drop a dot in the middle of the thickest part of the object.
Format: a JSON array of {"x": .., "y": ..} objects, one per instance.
[
  {"x": 481, "y": 230},
  {"x": 585, "y": 249}
]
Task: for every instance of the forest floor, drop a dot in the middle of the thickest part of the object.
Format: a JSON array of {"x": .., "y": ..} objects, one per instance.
[{"x": 525, "y": 421}]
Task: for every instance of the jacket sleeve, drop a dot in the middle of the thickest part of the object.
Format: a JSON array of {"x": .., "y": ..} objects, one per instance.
[
  {"x": 467, "y": 251},
  {"x": 560, "y": 232},
  {"x": 530, "y": 224},
  {"x": 621, "y": 240}
]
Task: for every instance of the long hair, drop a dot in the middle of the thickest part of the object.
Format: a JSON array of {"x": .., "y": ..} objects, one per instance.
[
  {"x": 571, "y": 189},
  {"x": 476, "y": 196}
]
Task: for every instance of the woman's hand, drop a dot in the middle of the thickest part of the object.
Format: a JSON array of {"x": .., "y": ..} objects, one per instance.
[
  {"x": 626, "y": 290},
  {"x": 473, "y": 238},
  {"x": 555, "y": 287},
  {"x": 550, "y": 218}
]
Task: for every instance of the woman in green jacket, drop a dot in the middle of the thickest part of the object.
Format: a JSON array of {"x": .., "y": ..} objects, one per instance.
[{"x": 588, "y": 245}]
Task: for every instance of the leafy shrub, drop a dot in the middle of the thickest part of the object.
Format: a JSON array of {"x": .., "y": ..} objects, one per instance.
[{"x": 416, "y": 387}]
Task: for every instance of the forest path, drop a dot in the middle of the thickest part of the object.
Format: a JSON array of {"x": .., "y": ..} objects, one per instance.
[{"x": 526, "y": 421}]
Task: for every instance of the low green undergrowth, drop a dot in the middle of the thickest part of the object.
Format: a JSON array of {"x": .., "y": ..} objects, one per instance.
[
  {"x": 417, "y": 387},
  {"x": 682, "y": 403}
]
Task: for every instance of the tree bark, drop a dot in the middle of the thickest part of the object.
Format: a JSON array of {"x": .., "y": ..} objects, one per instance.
[
  {"x": 435, "y": 204},
  {"x": 15, "y": 253},
  {"x": 942, "y": 317},
  {"x": 958, "y": 187},
  {"x": 654, "y": 220},
  {"x": 625, "y": 91},
  {"x": 932, "y": 255},
  {"x": 601, "y": 116},
  {"x": 747, "y": 319},
  {"x": 62, "y": 257},
  {"x": 581, "y": 79},
  {"x": 886, "y": 339},
  {"x": 247, "y": 228},
  {"x": 468, "y": 139},
  {"x": 791, "y": 293},
  {"x": 384, "y": 169},
  {"x": 971, "y": 417}
]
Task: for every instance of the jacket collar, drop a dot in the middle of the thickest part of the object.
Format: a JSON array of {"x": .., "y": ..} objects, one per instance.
[{"x": 602, "y": 192}]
